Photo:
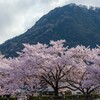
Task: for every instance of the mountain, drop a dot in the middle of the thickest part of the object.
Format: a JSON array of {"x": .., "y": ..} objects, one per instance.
[{"x": 77, "y": 24}]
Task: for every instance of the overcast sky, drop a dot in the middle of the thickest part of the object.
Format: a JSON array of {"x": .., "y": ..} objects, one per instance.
[{"x": 16, "y": 16}]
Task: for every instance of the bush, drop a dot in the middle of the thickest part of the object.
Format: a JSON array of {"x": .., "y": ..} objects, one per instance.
[
  {"x": 45, "y": 98},
  {"x": 58, "y": 98},
  {"x": 81, "y": 97},
  {"x": 3, "y": 98},
  {"x": 67, "y": 97},
  {"x": 33, "y": 98},
  {"x": 68, "y": 92},
  {"x": 13, "y": 98}
]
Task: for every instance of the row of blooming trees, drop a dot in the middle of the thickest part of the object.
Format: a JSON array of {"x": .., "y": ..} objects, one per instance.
[{"x": 52, "y": 66}]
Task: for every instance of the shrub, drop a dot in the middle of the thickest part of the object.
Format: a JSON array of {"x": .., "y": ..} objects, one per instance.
[
  {"x": 81, "y": 97},
  {"x": 68, "y": 92},
  {"x": 45, "y": 98},
  {"x": 3, "y": 98},
  {"x": 67, "y": 97},
  {"x": 33, "y": 98},
  {"x": 13, "y": 98}
]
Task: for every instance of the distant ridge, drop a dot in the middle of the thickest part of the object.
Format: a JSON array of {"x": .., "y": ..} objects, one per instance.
[{"x": 77, "y": 24}]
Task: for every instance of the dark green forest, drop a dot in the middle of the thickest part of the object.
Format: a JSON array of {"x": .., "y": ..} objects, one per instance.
[{"x": 78, "y": 25}]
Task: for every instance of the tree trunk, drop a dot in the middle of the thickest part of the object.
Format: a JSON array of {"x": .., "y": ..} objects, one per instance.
[{"x": 56, "y": 92}]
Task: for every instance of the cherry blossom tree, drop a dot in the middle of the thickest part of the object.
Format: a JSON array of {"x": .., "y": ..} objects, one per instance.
[
  {"x": 4, "y": 74},
  {"x": 94, "y": 68},
  {"x": 52, "y": 66},
  {"x": 24, "y": 76},
  {"x": 56, "y": 66},
  {"x": 42, "y": 64},
  {"x": 79, "y": 77}
]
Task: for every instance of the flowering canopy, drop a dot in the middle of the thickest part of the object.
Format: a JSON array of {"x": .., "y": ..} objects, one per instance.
[{"x": 52, "y": 66}]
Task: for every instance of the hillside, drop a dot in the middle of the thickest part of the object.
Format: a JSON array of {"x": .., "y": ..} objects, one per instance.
[{"x": 78, "y": 25}]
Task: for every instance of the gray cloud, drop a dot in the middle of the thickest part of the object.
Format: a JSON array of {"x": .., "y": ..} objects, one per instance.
[
  {"x": 87, "y": 2},
  {"x": 16, "y": 16}
]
